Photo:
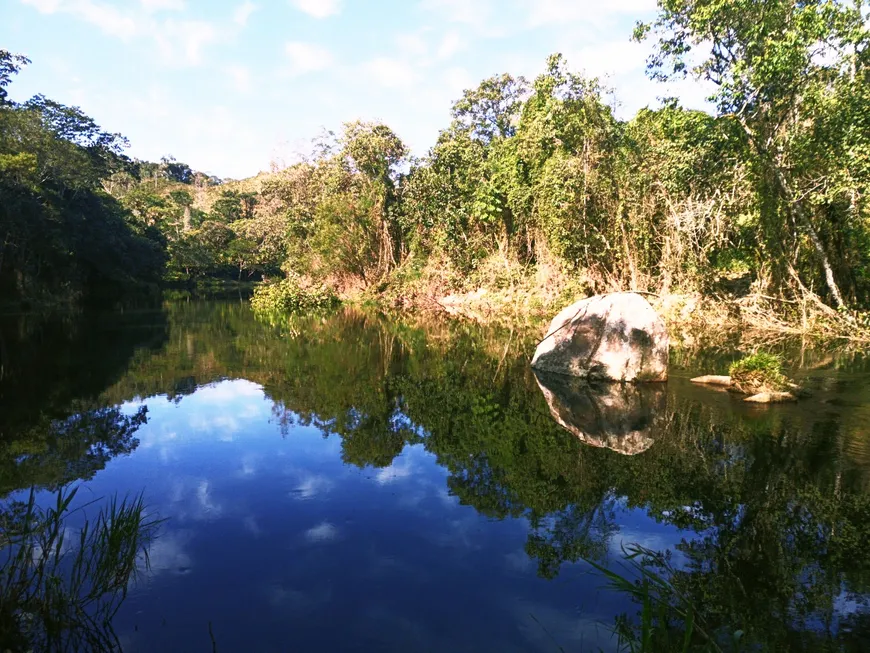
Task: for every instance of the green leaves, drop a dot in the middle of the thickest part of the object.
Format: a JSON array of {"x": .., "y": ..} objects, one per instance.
[
  {"x": 288, "y": 296},
  {"x": 492, "y": 110},
  {"x": 10, "y": 64},
  {"x": 779, "y": 70}
]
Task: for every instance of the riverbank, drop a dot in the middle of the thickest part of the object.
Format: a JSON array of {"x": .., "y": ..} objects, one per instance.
[{"x": 503, "y": 292}]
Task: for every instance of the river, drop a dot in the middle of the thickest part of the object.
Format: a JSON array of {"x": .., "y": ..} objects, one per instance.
[{"x": 348, "y": 482}]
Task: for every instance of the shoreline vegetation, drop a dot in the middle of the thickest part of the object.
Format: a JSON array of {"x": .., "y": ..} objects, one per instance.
[{"x": 750, "y": 217}]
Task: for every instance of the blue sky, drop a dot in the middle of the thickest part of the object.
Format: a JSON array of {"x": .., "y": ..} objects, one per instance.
[{"x": 231, "y": 86}]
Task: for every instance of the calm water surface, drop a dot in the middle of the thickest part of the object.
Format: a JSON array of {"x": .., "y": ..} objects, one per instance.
[{"x": 350, "y": 483}]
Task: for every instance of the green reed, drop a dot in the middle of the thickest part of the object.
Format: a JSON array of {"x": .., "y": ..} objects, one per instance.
[{"x": 60, "y": 586}]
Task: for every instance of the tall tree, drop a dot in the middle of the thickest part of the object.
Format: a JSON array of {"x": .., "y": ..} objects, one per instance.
[{"x": 764, "y": 59}]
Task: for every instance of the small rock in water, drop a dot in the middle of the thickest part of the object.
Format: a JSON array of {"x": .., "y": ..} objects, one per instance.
[
  {"x": 616, "y": 337},
  {"x": 713, "y": 379},
  {"x": 771, "y": 398}
]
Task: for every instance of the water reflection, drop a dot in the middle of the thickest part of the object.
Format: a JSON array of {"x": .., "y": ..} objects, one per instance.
[
  {"x": 61, "y": 584},
  {"x": 621, "y": 417},
  {"x": 419, "y": 485}
]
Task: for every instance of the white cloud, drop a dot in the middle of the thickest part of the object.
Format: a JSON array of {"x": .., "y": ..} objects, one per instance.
[
  {"x": 389, "y": 73},
  {"x": 560, "y": 12},
  {"x": 178, "y": 41},
  {"x": 318, "y": 8},
  {"x": 457, "y": 80},
  {"x": 182, "y": 42},
  {"x": 223, "y": 427},
  {"x": 412, "y": 44},
  {"x": 472, "y": 12},
  {"x": 609, "y": 58},
  {"x": 243, "y": 12},
  {"x": 107, "y": 17},
  {"x": 450, "y": 45},
  {"x": 519, "y": 562},
  {"x": 206, "y": 503},
  {"x": 323, "y": 532},
  {"x": 167, "y": 553},
  {"x": 249, "y": 465},
  {"x": 252, "y": 526},
  {"x": 160, "y": 5},
  {"x": 45, "y": 6},
  {"x": 241, "y": 76},
  {"x": 307, "y": 57},
  {"x": 224, "y": 391}
]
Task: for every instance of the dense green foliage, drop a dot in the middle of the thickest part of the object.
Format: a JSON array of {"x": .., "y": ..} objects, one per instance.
[
  {"x": 61, "y": 234},
  {"x": 288, "y": 296},
  {"x": 766, "y": 194}
]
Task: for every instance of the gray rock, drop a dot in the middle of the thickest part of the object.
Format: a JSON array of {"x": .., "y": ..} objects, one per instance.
[
  {"x": 620, "y": 417},
  {"x": 616, "y": 337}
]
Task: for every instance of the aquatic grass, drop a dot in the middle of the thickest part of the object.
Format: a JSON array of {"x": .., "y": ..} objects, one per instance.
[
  {"x": 668, "y": 619},
  {"x": 61, "y": 587},
  {"x": 758, "y": 371}
]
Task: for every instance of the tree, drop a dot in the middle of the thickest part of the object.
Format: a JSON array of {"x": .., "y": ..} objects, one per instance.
[
  {"x": 10, "y": 65},
  {"x": 764, "y": 59},
  {"x": 493, "y": 108},
  {"x": 61, "y": 236},
  {"x": 228, "y": 207},
  {"x": 176, "y": 171}
]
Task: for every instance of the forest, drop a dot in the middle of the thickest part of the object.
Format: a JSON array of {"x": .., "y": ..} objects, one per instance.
[{"x": 535, "y": 191}]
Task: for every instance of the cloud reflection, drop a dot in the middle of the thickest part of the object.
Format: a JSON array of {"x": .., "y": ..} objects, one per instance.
[
  {"x": 323, "y": 532},
  {"x": 398, "y": 470},
  {"x": 312, "y": 485}
]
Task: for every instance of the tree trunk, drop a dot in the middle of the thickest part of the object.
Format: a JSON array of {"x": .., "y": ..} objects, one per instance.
[
  {"x": 803, "y": 219},
  {"x": 797, "y": 210},
  {"x": 620, "y": 215}
]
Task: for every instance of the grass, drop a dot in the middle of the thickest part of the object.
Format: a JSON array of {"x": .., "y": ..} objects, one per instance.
[
  {"x": 668, "y": 620},
  {"x": 61, "y": 587},
  {"x": 758, "y": 372}
]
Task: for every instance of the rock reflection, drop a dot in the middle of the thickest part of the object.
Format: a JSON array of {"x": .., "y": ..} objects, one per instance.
[{"x": 615, "y": 416}]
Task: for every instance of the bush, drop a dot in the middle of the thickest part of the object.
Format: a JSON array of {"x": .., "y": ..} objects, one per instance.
[
  {"x": 288, "y": 296},
  {"x": 758, "y": 372}
]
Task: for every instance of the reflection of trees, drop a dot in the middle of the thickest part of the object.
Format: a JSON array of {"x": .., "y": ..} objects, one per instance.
[
  {"x": 776, "y": 542},
  {"x": 773, "y": 504},
  {"x": 775, "y": 512},
  {"x": 62, "y": 451},
  {"x": 54, "y": 425},
  {"x": 48, "y": 364},
  {"x": 575, "y": 533},
  {"x": 60, "y": 586}
]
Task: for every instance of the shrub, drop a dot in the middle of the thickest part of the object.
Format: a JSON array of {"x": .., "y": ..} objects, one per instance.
[
  {"x": 757, "y": 372},
  {"x": 288, "y": 296}
]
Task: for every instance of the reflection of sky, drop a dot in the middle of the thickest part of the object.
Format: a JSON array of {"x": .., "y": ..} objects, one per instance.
[{"x": 276, "y": 541}]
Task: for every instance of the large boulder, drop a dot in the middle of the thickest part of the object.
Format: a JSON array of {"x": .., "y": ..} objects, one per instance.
[
  {"x": 616, "y": 337},
  {"x": 624, "y": 418}
]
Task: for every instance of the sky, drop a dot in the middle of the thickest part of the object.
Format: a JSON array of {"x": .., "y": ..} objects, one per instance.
[{"x": 233, "y": 87}]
